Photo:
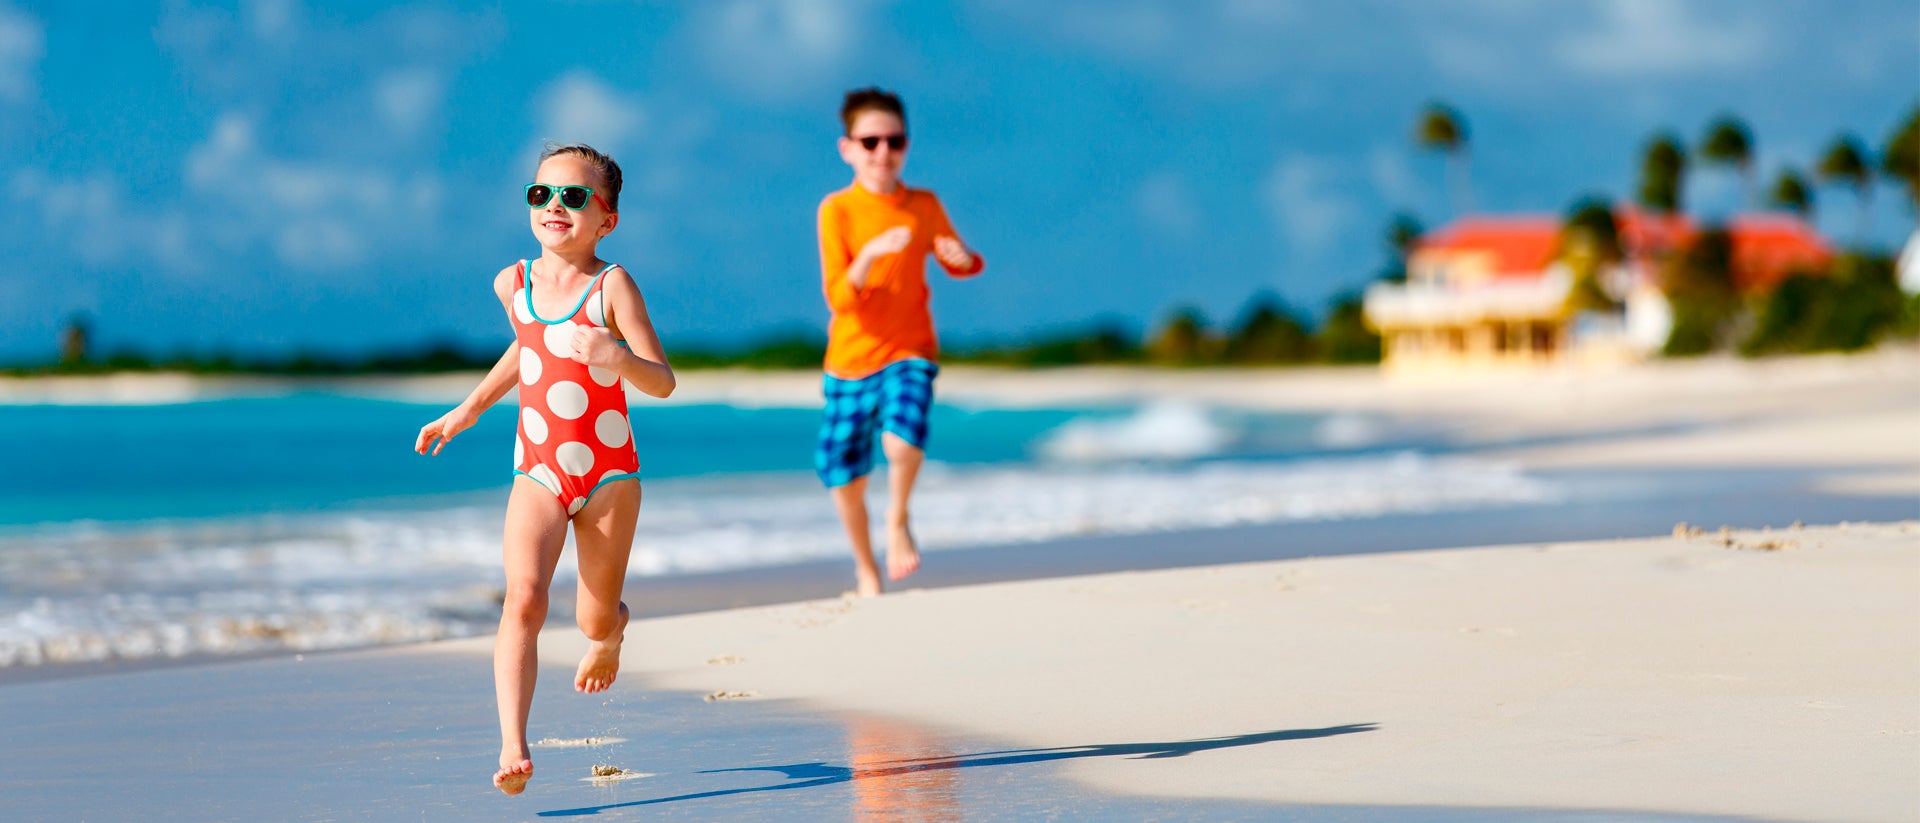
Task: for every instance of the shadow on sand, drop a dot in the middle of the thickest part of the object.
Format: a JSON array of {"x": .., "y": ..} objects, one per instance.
[{"x": 812, "y": 775}]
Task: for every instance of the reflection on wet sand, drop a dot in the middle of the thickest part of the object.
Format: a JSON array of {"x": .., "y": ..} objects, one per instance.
[
  {"x": 925, "y": 787},
  {"x": 900, "y": 772}
]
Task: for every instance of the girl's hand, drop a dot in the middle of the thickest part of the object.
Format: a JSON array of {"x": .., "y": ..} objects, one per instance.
[
  {"x": 596, "y": 346},
  {"x": 437, "y": 433},
  {"x": 951, "y": 252}
]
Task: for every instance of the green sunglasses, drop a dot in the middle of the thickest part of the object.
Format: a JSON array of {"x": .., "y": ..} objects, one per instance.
[{"x": 573, "y": 197}]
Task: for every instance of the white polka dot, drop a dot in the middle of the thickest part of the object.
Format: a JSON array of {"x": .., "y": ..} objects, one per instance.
[
  {"x": 611, "y": 426},
  {"x": 577, "y": 504},
  {"x": 520, "y": 307},
  {"x": 559, "y": 338},
  {"x": 574, "y": 458},
  {"x": 605, "y": 377},
  {"x": 567, "y": 399},
  {"x": 545, "y": 477},
  {"x": 611, "y": 475},
  {"x": 597, "y": 308},
  {"x": 519, "y": 452},
  {"x": 529, "y": 366},
  {"x": 534, "y": 425}
]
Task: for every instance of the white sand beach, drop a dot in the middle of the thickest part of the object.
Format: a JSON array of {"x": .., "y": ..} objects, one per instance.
[
  {"x": 1763, "y": 674},
  {"x": 1759, "y": 674}
]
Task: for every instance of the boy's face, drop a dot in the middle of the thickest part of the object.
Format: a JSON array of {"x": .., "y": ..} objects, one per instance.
[
  {"x": 878, "y": 168},
  {"x": 560, "y": 228}
]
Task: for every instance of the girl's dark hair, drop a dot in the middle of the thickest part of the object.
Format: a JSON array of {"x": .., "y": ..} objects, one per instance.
[
  {"x": 602, "y": 164},
  {"x": 870, "y": 98}
]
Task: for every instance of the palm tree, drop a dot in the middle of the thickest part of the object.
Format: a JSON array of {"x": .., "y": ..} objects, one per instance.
[
  {"x": 1661, "y": 171},
  {"x": 1441, "y": 128},
  {"x": 1729, "y": 142},
  {"x": 1846, "y": 162},
  {"x": 1901, "y": 161},
  {"x": 1790, "y": 191}
]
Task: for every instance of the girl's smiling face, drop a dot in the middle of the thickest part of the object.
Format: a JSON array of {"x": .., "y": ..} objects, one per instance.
[{"x": 560, "y": 228}]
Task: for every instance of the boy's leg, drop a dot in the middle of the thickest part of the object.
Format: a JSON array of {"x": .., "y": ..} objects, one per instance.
[
  {"x": 536, "y": 530},
  {"x": 843, "y": 458},
  {"x": 603, "y": 539},
  {"x": 907, "y": 401},
  {"x": 850, "y": 499},
  {"x": 903, "y": 466}
]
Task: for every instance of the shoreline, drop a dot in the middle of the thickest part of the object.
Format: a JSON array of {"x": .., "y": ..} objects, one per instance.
[{"x": 1817, "y": 439}]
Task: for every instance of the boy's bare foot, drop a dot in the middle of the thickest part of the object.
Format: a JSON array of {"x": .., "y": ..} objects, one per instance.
[
  {"x": 602, "y": 661},
  {"x": 515, "y": 770},
  {"x": 903, "y": 556},
  {"x": 866, "y": 581}
]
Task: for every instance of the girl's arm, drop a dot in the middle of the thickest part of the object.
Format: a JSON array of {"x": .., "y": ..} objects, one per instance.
[
  {"x": 642, "y": 362},
  {"x": 495, "y": 385}
]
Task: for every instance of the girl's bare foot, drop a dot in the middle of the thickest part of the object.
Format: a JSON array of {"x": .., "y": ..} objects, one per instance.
[
  {"x": 602, "y": 661},
  {"x": 515, "y": 770},
  {"x": 903, "y": 556}
]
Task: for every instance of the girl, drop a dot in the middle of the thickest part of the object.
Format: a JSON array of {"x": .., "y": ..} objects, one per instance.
[{"x": 580, "y": 330}]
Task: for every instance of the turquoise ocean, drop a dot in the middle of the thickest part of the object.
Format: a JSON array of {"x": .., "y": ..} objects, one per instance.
[{"x": 305, "y": 521}]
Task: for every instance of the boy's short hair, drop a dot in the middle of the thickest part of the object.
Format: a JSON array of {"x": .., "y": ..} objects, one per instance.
[
  {"x": 871, "y": 98},
  {"x": 601, "y": 162}
]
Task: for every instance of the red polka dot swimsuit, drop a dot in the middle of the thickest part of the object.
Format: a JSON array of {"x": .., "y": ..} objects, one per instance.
[{"x": 574, "y": 435}]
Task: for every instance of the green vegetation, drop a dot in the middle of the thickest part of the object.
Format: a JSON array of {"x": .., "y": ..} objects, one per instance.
[
  {"x": 1850, "y": 309},
  {"x": 1791, "y": 192},
  {"x": 1442, "y": 128},
  {"x": 1589, "y": 244},
  {"x": 1730, "y": 143},
  {"x": 1662, "y": 169},
  {"x": 1846, "y": 163}
]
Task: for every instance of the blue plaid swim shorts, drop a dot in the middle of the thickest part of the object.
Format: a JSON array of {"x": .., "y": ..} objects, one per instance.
[{"x": 896, "y": 399}]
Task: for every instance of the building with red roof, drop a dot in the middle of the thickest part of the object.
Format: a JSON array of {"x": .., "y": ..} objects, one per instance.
[{"x": 1494, "y": 289}]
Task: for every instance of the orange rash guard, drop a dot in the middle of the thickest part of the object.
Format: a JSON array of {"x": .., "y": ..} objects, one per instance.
[{"x": 887, "y": 321}]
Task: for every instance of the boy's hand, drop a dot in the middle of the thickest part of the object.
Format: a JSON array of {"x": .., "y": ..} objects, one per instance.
[
  {"x": 953, "y": 253},
  {"x": 596, "y": 346},
  {"x": 890, "y": 241},
  {"x": 437, "y": 433}
]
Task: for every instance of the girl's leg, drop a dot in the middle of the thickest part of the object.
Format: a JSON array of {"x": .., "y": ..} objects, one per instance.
[
  {"x": 851, "y": 500},
  {"x": 903, "y": 466},
  {"x": 535, "y": 532},
  {"x": 603, "y": 538}
]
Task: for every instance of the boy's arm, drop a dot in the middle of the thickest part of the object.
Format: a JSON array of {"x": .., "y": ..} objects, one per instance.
[
  {"x": 643, "y": 361},
  {"x": 954, "y": 255},
  {"x": 837, "y": 263}
]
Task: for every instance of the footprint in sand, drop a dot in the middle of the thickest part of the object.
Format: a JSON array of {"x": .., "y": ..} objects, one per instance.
[
  {"x": 726, "y": 695},
  {"x": 603, "y": 775}
]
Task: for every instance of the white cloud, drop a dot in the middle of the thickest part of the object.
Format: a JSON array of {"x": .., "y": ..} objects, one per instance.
[
  {"x": 779, "y": 48},
  {"x": 1166, "y": 204},
  {"x": 409, "y": 99},
  {"x": 274, "y": 21},
  {"x": 1304, "y": 196},
  {"x": 1650, "y": 37},
  {"x": 579, "y": 108},
  {"x": 311, "y": 213},
  {"x": 1393, "y": 179},
  {"x": 23, "y": 42}
]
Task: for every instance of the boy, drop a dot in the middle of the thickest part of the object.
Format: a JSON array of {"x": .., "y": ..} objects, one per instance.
[{"x": 875, "y": 236}]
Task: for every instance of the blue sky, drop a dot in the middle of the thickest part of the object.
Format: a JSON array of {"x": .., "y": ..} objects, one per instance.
[{"x": 269, "y": 175}]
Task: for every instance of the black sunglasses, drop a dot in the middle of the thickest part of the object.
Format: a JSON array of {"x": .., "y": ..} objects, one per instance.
[
  {"x": 894, "y": 141},
  {"x": 573, "y": 197}
]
